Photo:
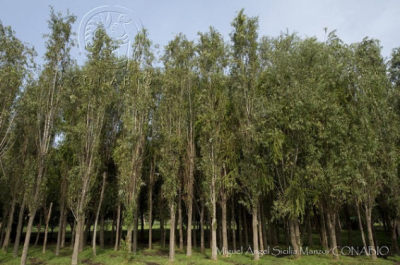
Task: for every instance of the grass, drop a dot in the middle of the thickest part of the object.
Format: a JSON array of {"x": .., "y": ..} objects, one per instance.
[{"x": 159, "y": 255}]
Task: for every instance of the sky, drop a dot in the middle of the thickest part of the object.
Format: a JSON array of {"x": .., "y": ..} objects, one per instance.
[{"x": 352, "y": 19}]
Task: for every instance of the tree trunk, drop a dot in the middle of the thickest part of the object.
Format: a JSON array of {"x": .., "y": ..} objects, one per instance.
[
  {"x": 331, "y": 220},
  {"x": 194, "y": 230},
  {"x": 19, "y": 227},
  {"x": 234, "y": 225},
  {"x": 293, "y": 239},
  {"x": 77, "y": 241},
  {"x": 117, "y": 229},
  {"x": 47, "y": 220},
  {"x": 98, "y": 213},
  {"x": 240, "y": 226},
  {"x": 6, "y": 241},
  {"x": 338, "y": 230},
  {"x": 368, "y": 212},
  {"x": 361, "y": 229},
  {"x": 224, "y": 227},
  {"x": 38, "y": 230},
  {"x": 255, "y": 232},
  {"x": 214, "y": 231},
  {"x": 27, "y": 238},
  {"x": 263, "y": 226},
  {"x": 189, "y": 227},
  {"x": 60, "y": 226},
  {"x": 202, "y": 227},
  {"x": 172, "y": 234},
  {"x": 129, "y": 239},
  {"x": 150, "y": 215},
  {"x": 324, "y": 236},
  {"x": 64, "y": 228},
  {"x": 260, "y": 230},
  {"x": 180, "y": 224}
]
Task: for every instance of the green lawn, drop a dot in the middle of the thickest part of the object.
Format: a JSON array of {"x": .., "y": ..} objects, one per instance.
[{"x": 160, "y": 256}]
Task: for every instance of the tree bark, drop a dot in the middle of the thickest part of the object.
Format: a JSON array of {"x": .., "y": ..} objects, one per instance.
[
  {"x": 180, "y": 224},
  {"x": 324, "y": 236},
  {"x": 331, "y": 218},
  {"x": 361, "y": 229},
  {"x": 64, "y": 228},
  {"x": 129, "y": 239},
  {"x": 6, "y": 241},
  {"x": 368, "y": 212},
  {"x": 39, "y": 230},
  {"x": 172, "y": 234},
  {"x": 255, "y": 231},
  {"x": 77, "y": 241},
  {"x": 263, "y": 226},
  {"x": 224, "y": 227},
  {"x": 117, "y": 234},
  {"x": 194, "y": 230},
  {"x": 19, "y": 227},
  {"x": 234, "y": 228},
  {"x": 338, "y": 230},
  {"x": 117, "y": 229},
  {"x": 260, "y": 230},
  {"x": 47, "y": 220},
  {"x": 27, "y": 238},
  {"x": 293, "y": 239},
  {"x": 98, "y": 213},
  {"x": 240, "y": 226},
  {"x": 151, "y": 213},
  {"x": 189, "y": 227},
  {"x": 60, "y": 226},
  {"x": 202, "y": 227},
  {"x": 214, "y": 231}
]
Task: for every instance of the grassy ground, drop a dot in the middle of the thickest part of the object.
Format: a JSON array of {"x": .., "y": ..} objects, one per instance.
[{"x": 160, "y": 256}]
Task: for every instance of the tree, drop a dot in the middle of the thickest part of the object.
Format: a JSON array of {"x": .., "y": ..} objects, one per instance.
[
  {"x": 87, "y": 105},
  {"x": 15, "y": 58},
  {"x": 129, "y": 153},
  {"x": 245, "y": 70},
  {"x": 213, "y": 126},
  {"x": 46, "y": 103}
]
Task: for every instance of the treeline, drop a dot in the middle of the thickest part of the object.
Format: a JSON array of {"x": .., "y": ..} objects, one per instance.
[{"x": 233, "y": 143}]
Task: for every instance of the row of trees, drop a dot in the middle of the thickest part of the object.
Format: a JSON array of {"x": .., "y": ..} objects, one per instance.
[{"x": 294, "y": 134}]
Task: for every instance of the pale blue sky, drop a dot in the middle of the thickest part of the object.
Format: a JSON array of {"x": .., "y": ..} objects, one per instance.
[{"x": 353, "y": 20}]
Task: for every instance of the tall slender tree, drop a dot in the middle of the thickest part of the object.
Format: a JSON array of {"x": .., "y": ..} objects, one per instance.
[{"x": 46, "y": 98}]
